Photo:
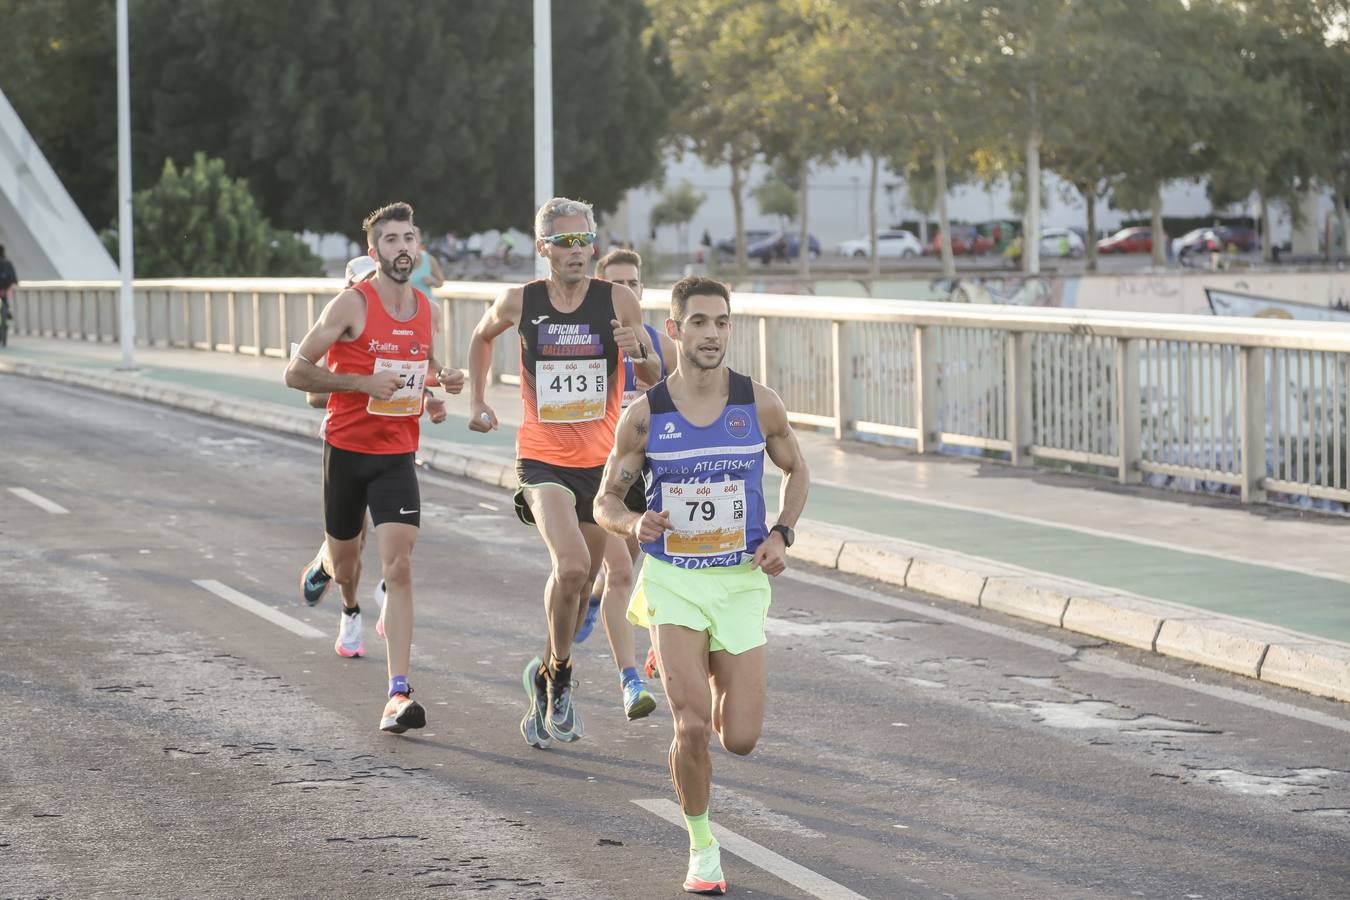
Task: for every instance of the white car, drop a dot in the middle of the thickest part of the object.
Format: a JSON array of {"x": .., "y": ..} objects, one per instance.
[
  {"x": 1061, "y": 242},
  {"x": 897, "y": 243}
]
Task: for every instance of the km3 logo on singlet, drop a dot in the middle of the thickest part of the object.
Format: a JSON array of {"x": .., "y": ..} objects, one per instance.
[{"x": 569, "y": 340}]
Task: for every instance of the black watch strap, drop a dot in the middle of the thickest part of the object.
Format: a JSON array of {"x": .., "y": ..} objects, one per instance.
[{"x": 786, "y": 532}]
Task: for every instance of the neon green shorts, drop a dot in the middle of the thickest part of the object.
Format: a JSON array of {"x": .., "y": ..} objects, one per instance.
[{"x": 730, "y": 603}]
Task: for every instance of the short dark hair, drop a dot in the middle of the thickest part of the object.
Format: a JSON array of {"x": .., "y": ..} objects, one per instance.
[
  {"x": 618, "y": 258},
  {"x": 394, "y": 212},
  {"x": 693, "y": 285}
]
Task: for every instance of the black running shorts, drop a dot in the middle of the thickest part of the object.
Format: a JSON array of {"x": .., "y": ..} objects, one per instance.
[
  {"x": 386, "y": 483},
  {"x": 636, "y": 498},
  {"x": 582, "y": 484}
]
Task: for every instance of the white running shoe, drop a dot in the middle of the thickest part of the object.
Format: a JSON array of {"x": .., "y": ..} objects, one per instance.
[
  {"x": 349, "y": 643},
  {"x": 380, "y": 596}
]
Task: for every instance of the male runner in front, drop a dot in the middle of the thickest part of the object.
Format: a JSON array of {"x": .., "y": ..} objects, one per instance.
[
  {"x": 572, "y": 330},
  {"x": 700, "y": 438},
  {"x": 377, "y": 337}
]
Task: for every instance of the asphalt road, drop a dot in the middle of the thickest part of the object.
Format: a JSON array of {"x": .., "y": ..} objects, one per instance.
[{"x": 160, "y": 741}]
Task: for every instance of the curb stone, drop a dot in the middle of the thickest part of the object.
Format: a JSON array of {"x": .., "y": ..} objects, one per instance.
[{"x": 1256, "y": 650}]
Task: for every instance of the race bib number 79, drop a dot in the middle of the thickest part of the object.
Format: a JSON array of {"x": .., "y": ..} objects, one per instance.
[{"x": 708, "y": 518}]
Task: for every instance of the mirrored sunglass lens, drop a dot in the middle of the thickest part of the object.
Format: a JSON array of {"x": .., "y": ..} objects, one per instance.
[{"x": 572, "y": 239}]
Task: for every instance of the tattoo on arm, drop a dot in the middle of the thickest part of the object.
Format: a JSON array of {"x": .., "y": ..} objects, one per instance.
[
  {"x": 626, "y": 476},
  {"x": 640, "y": 427}
]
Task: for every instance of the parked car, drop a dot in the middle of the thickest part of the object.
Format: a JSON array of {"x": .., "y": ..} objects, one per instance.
[
  {"x": 781, "y": 245},
  {"x": 727, "y": 246},
  {"x": 1138, "y": 239},
  {"x": 1061, "y": 242},
  {"x": 891, "y": 243},
  {"x": 966, "y": 241},
  {"x": 1197, "y": 240}
]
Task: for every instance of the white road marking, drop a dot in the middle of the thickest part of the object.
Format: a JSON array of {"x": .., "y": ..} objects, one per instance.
[
  {"x": 38, "y": 500},
  {"x": 244, "y": 601},
  {"x": 798, "y": 876},
  {"x": 1086, "y": 659}
]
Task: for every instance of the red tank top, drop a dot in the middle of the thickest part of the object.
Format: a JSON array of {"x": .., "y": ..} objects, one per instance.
[{"x": 357, "y": 421}]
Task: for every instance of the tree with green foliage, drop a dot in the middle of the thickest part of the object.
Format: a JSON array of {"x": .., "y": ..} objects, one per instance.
[
  {"x": 866, "y": 57},
  {"x": 677, "y": 207},
  {"x": 58, "y": 68},
  {"x": 314, "y": 117},
  {"x": 199, "y": 222},
  {"x": 717, "y": 68},
  {"x": 1306, "y": 41},
  {"x": 800, "y": 121},
  {"x": 777, "y": 198},
  {"x": 1268, "y": 105},
  {"x": 1027, "y": 66}
]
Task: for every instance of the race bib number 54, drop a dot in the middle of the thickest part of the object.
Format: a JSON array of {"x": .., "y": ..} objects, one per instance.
[
  {"x": 708, "y": 518},
  {"x": 570, "y": 391},
  {"x": 407, "y": 400}
]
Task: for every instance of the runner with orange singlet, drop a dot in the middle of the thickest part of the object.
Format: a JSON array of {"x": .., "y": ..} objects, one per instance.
[{"x": 573, "y": 333}]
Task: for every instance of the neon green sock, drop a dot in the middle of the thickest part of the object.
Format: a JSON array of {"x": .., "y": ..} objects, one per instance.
[{"x": 700, "y": 832}]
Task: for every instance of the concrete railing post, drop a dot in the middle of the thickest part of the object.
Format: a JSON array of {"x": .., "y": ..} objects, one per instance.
[
  {"x": 925, "y": 387},
  {"x": 1252, "y": 384},
  {"x": 845, "y": 385},
  {"x": 1127, "y": 411},
  {"x": 1017, "y": 359}
]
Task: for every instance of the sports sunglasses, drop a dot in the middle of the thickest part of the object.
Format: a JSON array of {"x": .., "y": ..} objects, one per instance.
[{"x": 571, "y": 239}]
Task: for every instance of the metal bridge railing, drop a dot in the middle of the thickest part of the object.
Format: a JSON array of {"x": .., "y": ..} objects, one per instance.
[{"x": 1250, "y": 405}]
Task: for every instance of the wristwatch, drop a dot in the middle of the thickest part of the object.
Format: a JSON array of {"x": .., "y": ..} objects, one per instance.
[
  {"x": 641, "y": 355},
  {"x": 786, "y": 532}
]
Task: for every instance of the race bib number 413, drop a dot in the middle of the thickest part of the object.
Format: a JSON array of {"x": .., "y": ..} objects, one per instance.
[
  {"x": 407, "y": 400},
  {"x": 708, "y": 518},
  {"x": 571, "y": 390}
]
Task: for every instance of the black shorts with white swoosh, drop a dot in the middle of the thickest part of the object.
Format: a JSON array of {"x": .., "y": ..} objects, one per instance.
[{"x": 386, "y": 483}]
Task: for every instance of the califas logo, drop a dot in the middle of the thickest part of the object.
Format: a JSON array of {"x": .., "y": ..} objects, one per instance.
[
  {"x": 668, "y": 433},
  {"x": 381, "y": 347}
]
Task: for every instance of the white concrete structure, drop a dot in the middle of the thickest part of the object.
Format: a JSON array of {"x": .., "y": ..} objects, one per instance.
[{"x": 42, "y": 229}]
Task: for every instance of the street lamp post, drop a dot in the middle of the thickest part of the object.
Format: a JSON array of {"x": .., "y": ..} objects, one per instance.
[
  {"x": 124, "y": 226},
  {"x": 543, "y": 113}
]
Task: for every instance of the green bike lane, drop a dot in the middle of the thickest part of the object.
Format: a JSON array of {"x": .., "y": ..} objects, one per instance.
[{"x": 1300, "y": 602}]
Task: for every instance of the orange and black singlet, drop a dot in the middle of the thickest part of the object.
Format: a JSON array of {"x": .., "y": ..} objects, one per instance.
[
  {"x": 360, "y": 423},
  {"x": 568, "y": 362}
]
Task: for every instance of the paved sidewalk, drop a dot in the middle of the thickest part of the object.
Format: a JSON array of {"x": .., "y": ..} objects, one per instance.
[{"x": 1284, "y": 569}]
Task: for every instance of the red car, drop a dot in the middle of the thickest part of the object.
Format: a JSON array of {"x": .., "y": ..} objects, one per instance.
[{"x": 1128, "y": 240}]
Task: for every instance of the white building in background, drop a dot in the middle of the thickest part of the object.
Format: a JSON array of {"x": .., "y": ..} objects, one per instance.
[
  {"x": 41, "y": 228},
  {"x": 838, "y": 205}
]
